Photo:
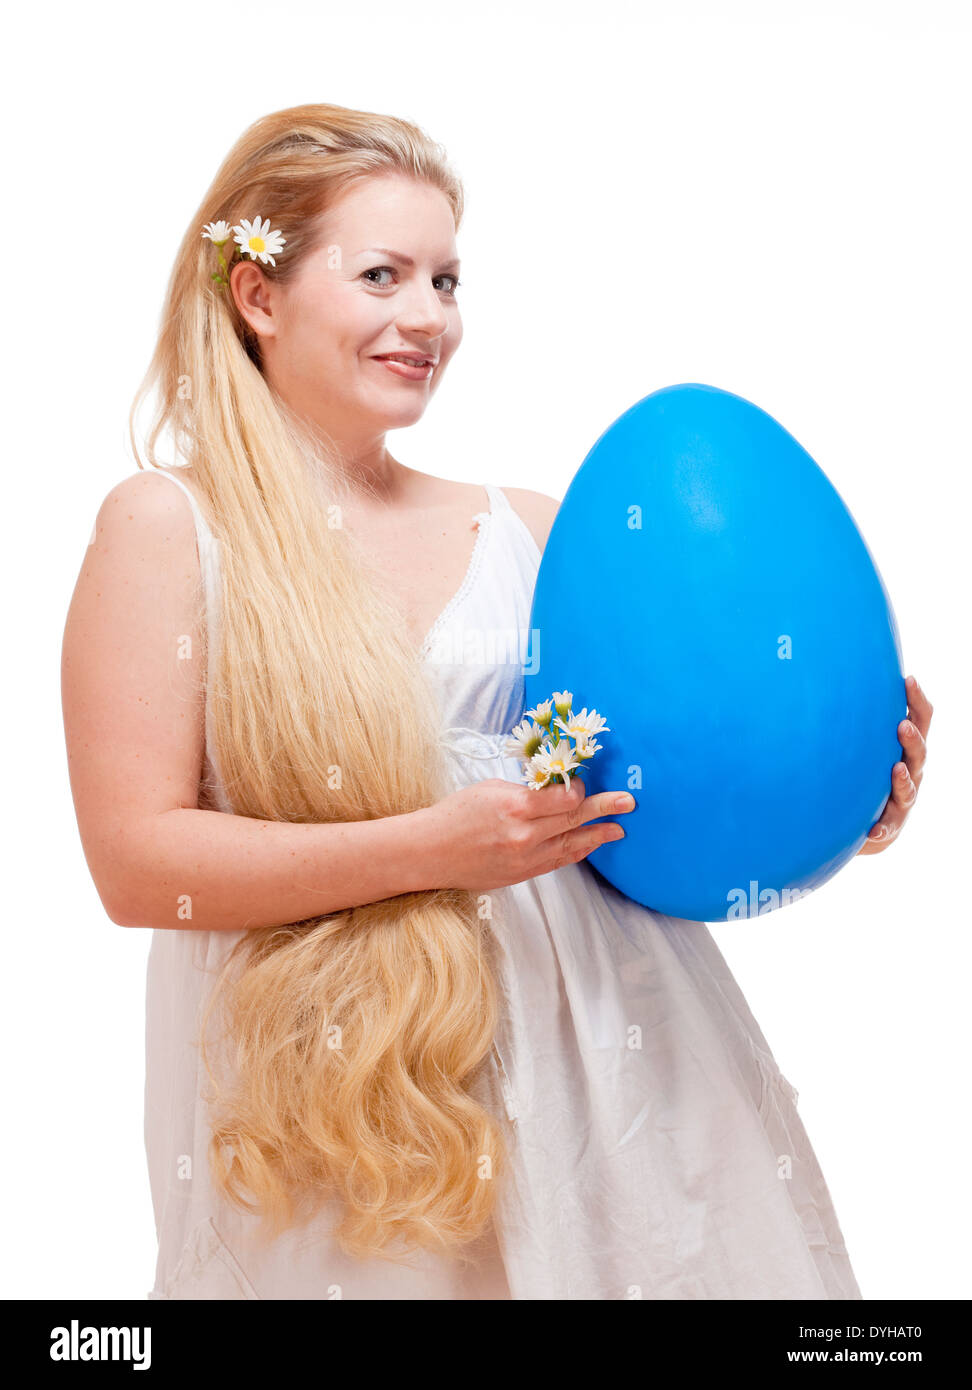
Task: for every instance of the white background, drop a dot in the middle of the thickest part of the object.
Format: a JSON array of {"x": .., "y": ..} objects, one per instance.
[{"x": 772, "y": 198}]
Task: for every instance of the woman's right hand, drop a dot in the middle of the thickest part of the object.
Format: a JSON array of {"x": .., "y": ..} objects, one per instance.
[{"x": 494, "y": 833}]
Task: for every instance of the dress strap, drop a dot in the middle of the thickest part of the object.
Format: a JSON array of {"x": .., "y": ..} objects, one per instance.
[
  {"x": 501, "y": 504},
  {"x": 498, "y": 500}
]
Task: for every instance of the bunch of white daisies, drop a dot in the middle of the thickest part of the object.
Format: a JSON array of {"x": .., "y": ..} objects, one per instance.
[{"x": 543, "y": 742}]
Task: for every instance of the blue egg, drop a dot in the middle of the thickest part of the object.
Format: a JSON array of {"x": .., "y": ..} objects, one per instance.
[{"x": 705, "y": 588}]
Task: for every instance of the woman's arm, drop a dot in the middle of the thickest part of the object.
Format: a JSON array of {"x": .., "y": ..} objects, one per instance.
[{"x": 134, "y": 723}]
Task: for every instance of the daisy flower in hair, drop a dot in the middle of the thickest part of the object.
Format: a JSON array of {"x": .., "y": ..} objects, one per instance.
[
  {"x": 218, "y": 232},
  {"x": 256, "y": 240}
]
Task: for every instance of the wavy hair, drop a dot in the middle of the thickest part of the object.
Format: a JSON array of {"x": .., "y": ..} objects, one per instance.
[{"x": 353, "y": 1040}]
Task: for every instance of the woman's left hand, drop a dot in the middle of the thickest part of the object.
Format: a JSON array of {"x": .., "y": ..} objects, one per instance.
[{"x": 906, "y": 776}]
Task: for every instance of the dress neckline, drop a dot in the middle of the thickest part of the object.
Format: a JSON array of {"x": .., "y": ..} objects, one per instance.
[{"x": 485, "y": 520}]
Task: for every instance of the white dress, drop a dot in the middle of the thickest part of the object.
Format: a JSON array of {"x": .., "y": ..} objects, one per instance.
[{"x": 655, "y": 1147}]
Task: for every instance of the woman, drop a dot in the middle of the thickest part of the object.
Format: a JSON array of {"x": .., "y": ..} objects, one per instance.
[{"x": 401, "y": 1041}]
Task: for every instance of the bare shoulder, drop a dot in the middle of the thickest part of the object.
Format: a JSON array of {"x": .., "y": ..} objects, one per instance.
[
  {"x": 143, "y": 543},
  {"x": 143, "y": 518},
  {"x": 145, "y": 499},
  {"x": 536, "y": 509}
]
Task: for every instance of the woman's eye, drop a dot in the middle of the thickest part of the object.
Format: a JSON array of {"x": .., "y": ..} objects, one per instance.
[
  {"x": 379, "y": 270},
  {"x": 382, "y": 269}
]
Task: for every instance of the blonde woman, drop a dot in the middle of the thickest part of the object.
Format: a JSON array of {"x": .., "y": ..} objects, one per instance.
[{"x": 389, "y": 1006}]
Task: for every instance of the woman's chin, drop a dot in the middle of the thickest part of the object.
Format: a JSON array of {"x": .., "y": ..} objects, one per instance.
[{"x": 401, "y": 416}]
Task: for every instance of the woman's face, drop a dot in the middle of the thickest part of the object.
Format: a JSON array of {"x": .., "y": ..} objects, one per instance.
[{"x": 382, "y": 280}]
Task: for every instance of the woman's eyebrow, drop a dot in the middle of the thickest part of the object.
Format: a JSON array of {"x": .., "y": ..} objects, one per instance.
[{"x": 400, "y": 256}]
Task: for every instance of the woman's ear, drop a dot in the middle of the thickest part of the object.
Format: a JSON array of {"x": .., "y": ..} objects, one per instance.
[{"x": 254, "y": 297}]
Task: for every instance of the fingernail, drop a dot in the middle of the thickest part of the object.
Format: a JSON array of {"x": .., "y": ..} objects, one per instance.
[
  {"x": 624, "y": 803},
  {"x": 878, "y": 833}
]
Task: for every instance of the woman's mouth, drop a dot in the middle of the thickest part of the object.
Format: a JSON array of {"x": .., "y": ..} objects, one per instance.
[{"x": 406, "y": 368}]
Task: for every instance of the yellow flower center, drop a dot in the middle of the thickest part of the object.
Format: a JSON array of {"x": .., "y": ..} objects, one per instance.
[{"x": 256, "y": 243}]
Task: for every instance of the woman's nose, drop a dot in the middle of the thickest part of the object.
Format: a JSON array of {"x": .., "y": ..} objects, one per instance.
[{"x": 424, "y": 316}]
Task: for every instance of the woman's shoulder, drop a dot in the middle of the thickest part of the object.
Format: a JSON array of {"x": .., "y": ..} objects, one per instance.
[
  {"x": 141, "y": 560},
  {"x": 535, "y": 509},
  {"x": 146, "y": 504},
  {"x": 148, "y": 490}
]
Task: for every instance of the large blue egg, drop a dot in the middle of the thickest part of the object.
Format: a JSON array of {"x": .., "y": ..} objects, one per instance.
[{"x": 706, "y": 589}]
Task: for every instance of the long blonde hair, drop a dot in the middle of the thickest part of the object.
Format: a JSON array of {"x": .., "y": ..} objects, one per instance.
[{"x": 355, "y": 1038}]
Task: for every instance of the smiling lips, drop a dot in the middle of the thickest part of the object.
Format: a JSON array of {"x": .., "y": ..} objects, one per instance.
[
  {"x": 420, "y": 359},
  {"x": 414, "y": 366}
]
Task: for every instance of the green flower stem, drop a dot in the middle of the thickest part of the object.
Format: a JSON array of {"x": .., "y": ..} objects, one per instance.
[{"x": 221, "y": 275}]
